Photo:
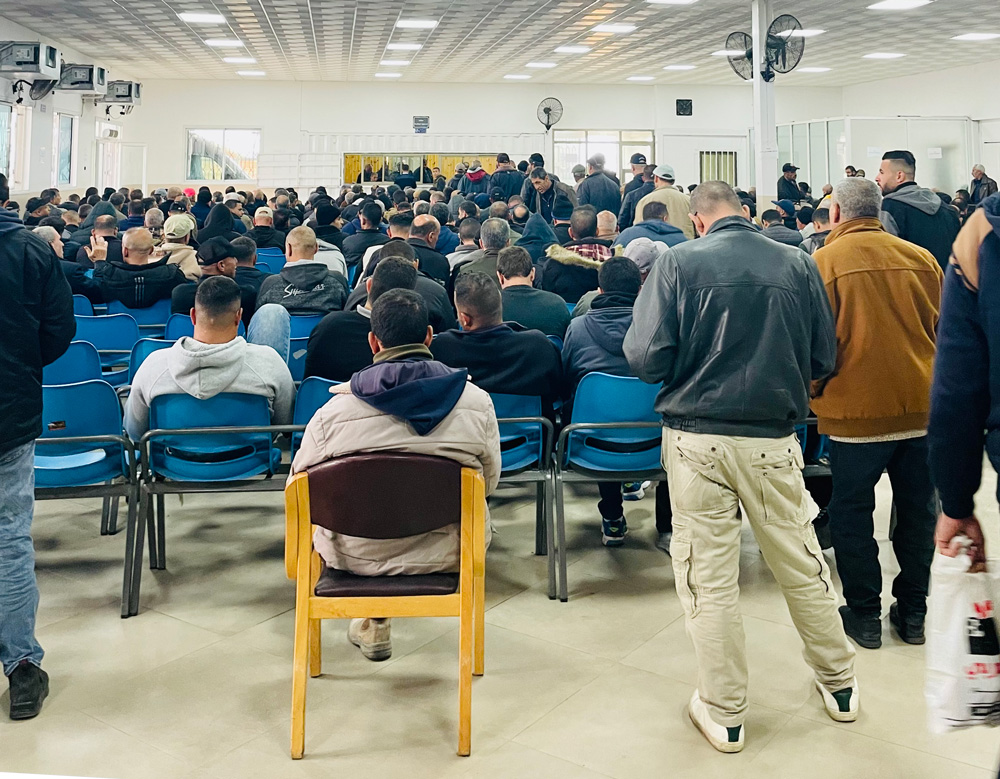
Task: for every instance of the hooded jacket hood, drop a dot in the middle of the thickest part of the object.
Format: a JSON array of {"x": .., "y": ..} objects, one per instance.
[
  {"x": 476, "y": 175},
  {"x": 218, "y": 222},
  {"x": 537, "y": 237},
  {"x": 416, "y": 389},
  {"x": 659, "y": 227},
  {"x": 917, "y": 197},
  {"x": 205, "y": 370},
  {"x": 104, "y": 208},
  {"x": 9, "y": 221},
  {"x": 565, "y": 256},
  {"x": 305, "y": 275},
  {"x": 608, "y": 320}
]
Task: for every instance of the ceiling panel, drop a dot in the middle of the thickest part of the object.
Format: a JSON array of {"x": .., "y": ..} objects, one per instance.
[{"x": 484, "y": 40}]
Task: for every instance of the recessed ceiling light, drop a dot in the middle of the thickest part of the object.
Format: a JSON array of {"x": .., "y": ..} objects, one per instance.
[
  {"x": 639, "y": 78},
  {"x": 517, "y": 77},
  {"x": 416, "y": 24},
  {"x": 898, "y": 5},
  {"x": 572, "y": 49},
  {"x": 404, "y": 46},
  {"x": 729, "y": 53},
  {"x": 800, "y": 33},
  {"x": 883, "y": 55},
  {"x": 615, "y": 28},
  {"x": 239, "y": 60},
  {"x": 250, "y": 73},
  {"x": 395, "y": 63},
  {"x": 977, "y": 36},
  {"x": 672, "y": 2},
  {"x": 540, "y": 65},
  {"x": 224, "y": 43},
  {"x": 680, "y": 67},
  {"x": 814, "y": 70},
  {"x": 388, "y": 75},
  {"x": 193, "y": 18}
]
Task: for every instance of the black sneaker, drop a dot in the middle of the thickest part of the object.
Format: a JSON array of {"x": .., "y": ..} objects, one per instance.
[
  {"x": 29, "y": 685},
  {"x": 822, "y": 527},
  {"x": 908, "y": 628},
  {"x": 864, "y": 631}
]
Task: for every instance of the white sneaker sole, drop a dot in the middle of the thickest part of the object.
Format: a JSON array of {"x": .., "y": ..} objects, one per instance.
[
  {"x": 835, "y": 713},
  {"x": 376, "y": 652},
  {"x": 726, "y": 747}
]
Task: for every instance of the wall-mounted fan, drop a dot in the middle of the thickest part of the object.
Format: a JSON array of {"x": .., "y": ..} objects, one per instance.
[
  {"x": 39, "y": 88},
  {"x": 784, "y": 49},
  {"x": 550, "y": 111},
  {"x": 741, "y": 63}
]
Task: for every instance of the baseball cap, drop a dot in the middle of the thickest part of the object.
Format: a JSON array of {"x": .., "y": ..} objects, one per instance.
[
  {"x": 496, "y": 194},
  {"x": 637, "y": 159},
  {"x": 785, "y": 205},
  {"x": 665, "y": 172},
  {"x": 537, "y": 159},
  {"x": 264, "y": 211},
  {"x": 215, "y": 250},
  {"x": 189, "y": 192},
  {"x": 34, "y": 203},
  {"x": 233, "y": 197},
  {"x": 176, "y": 205},
  {"x": 579, "y": 169},
  {"x": 502, "y": 158},
  {"x": 788, "y": 167},
  {"x": 644, "y": 251},
  {"x": 162, "y": 191},
  {"x": 177, "y": 226}
]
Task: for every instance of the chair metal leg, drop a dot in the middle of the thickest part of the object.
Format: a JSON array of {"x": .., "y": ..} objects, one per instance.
[
  {"x": 315, "y": 647},
  {"x": 113, "y": 517},
  {"x": 465, "y": 651},
  {"x": 550, "y": 530},
  {"x": 142, "y": 520},
  {"x": 105, "y": 513},
  {"x": 161, "y": 531},
  {"x": 130, "y": 547},
  {"x": 479, "y": 619},
  {"x": 300, "y": 671},
  {"x": 540, "y": 525},
  {"x": 147, "y": 511},
  {"x": 561, "y": 538}
]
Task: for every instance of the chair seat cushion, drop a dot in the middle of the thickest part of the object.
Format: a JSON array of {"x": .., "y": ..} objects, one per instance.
[{"x": 341, "y": 584}]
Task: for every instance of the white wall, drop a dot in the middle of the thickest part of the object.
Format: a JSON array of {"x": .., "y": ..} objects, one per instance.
[{"x": 322, "y": 121}]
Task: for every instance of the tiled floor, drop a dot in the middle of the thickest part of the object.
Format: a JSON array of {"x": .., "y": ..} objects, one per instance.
[{"x": 198, "y": 685}]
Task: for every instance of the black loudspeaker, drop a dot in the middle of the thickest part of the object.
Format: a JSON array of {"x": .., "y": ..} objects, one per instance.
[{"x": 685, "y": 107}]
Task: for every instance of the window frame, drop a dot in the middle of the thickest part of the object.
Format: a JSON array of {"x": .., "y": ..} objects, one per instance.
[
  {"x": 57, "y": 148},
  {"x": 620, "y": 167},
  {"x": 224, "y": 129}
]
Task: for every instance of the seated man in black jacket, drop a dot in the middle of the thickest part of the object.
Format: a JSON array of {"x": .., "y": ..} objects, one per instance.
[
  {"x": 423, "y": 238},
  {"x": 500, "y": 356},
  {"x": 247, "y": 272},
  {"x": 76, "y": 275},
  {"x": 338, "y": 347},
  {"x": 136, "y": 282},
  {"x": 357, "y": 244},
  {"x": 263, "y": 233},
  {"x": 327, "y": 216}
]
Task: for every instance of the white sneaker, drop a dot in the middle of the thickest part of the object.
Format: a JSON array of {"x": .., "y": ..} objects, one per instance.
[
  {"x": 663, "y": 541},
  {"x": 722, "y": 738},
  {"x": 371, "y": 636},
  {"x": 843, "y": 705},
  {"x": 634, "y": 490}
]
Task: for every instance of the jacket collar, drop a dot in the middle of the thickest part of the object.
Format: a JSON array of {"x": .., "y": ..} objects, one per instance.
[
  {"x": 862, "y": 225},
  {"x": 733, "y": 222},
  {"x": 404, "y": 352}
]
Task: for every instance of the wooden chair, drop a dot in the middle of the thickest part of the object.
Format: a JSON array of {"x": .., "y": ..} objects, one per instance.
[{"x": 381, "y": 496}]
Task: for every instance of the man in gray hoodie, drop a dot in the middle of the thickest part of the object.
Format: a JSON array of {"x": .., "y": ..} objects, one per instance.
[
  {"x": 305, "y": 285},
  {"x": 215, "y": 360}
]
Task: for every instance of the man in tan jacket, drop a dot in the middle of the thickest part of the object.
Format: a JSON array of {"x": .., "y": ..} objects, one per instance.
[
  {"x": 404, "y": 402},
  {"x": 678, "y": 204},
  {"x": 886, "y": 299},
  {"x": 176, "y": 243}
]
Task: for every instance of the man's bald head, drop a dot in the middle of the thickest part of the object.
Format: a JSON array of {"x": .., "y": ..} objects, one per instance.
[
  {"x": 137, "y": 245},
  {"x": 713, "y": 201},
  {"x": 426, "y": 228}
]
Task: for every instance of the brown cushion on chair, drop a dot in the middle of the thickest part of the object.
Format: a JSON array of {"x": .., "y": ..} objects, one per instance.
[
  {"x": 386, "y": 495},
  {"x": 340, "y": 584}
]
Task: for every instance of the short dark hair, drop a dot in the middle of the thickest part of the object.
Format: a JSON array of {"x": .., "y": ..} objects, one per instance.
[
  {"x": 514, "y": 262},
  {"x": 583, "y": 222},
  {"x": 399, "y": 317},
  {"x": 105, "y": 222},
  {"x": 423, "y": 230},
  {"x": 469, "y": 229},
  {"x": 536, "y": 159},
  {"x": 821, "y": 215},
  {"x": 478, "y": 293},
  {"x": 399, "y": 197},
  {"x": 771, "y": 215},
  {"x": 117, "y": 199},
  {"x": 619, "y": 274},
  {"x": 371, "y": 213},
  {"x": 244, "y": 249},
  {"x": 401, "y": 221},
  {"x": 391, "y": 273},
  {"x": 538, "y": 173},
  {"x": 4, "y": 188},
  {"x": 204, "y": 196},
  {"x": 148, "y": 203},
  {"x": 217, "y": 296},
  {"x": 470, "y": 208},
  {"x": 805, "y": 214},
  {"x": 498, "y": 210},
  {"x": 53, "y": 221},
  {"x": 903, "y": 158},
  {"x": 440, "y": 212},
  {"x": 655, "y": 209},
  {"x": 135, "y": 208},
  {"x": 523, "y": 166},
  {"x": 281, "y": 220},
  {"x": 397, "y": 248}
]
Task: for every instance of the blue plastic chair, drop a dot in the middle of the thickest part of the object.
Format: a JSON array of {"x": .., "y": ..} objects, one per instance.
[
  {"x": 352, "y": 274},
  {"x": 275, "y": 258},
  {"x": 264, "y": 266},
  {"x": 312, "y": 395},
  {"x": 297, "y": 356},
  {"x": 82, "y": 453},
  {"x": 151, "y": 320},
  {"x": 570, "y": 307},
  {"x": 180, "y": 325},
  {"x": 114, "y": 336},
  {"x": 142, "y": 349},
  {"x": 526, "y": 458},
  {"x": 303, "y": 325},
  {"x": 82, "y": 306},
  {"x": 614, "y": 435},
  {"x": 556, "y": 341},
  {"x": 80, "y": 362}
]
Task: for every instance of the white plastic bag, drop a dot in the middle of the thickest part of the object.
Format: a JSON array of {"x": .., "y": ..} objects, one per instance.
[{"x": 963, "y": 653}]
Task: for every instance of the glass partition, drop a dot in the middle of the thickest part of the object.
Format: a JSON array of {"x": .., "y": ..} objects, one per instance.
[{"x": 818, "y": 171}]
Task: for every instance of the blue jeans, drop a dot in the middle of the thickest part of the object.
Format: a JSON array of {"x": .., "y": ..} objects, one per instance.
[
  {"x": 18, "y": 589},
  {"x": 271, "y": 326}
]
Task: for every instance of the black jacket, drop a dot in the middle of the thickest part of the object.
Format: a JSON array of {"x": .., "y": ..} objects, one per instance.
[
  {"x": 736, "y": 327},
  {"x": 250, "y": 277},
  {"x": 80, "y": 255},
  {"x": 431, "y": 261},
  {"x": 568, "y": 274},
  {"x": 626, "y": 215},
  {"x": 76, "y": 275},
  {"x": 783, "y": 234},
  {"x": 266, "y": 237},
  {"x": 594, "y": 341},
  {"x": 357, "y": 244},
  {"x": 182, "y": 299},
  {"x": 404, "y": 180},
  {"x": 599, "y": 191},
  {"x": 789, "y": 190},
  {"x": 138, "y": 286},
  {"x": 508, "y": 181},
  {"x": 331, "y": 234},
  {"x": 36, "y": 327},
  {"x": 919, "y": 216},
  {"x": 439, "y": 311},
  {"x": 305, "y": 287},
  {"x": 338, "y": 347},
  {"x": 535, "y": 309}
]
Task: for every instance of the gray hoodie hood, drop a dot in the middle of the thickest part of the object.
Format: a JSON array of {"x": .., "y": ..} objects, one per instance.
[
  {"x": 204, "y": 370},
  {"x": 917, "y": 197}
]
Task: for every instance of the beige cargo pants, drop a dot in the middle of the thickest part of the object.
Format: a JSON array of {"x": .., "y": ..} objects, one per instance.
[{"x": 709, "y": 477}]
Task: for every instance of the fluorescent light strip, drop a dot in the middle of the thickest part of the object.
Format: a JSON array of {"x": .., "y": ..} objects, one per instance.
[
  {"x": 680, "y": 67},
  {"x": 240, "y": 60},
  {"x": 195, "y": 18},
  {"x": 395, "y": 63},
  {"x": 224, "y": 43},
  {"x": 800, "y": 33},
  {"x": 615, "y": 28},
  {"x": 517, "y": 77},
  {"x": 250, "y": 73},
  {"x": 388, "y": 75},
  {"x": 540, "y": 65},
  {"x": 672, "y": 2},
  {"x": 814, "y": 70},
  {"x": 572, "y": 49},
  {"x": 404, "y": 46},
  {"x": 898, "y": 5},
  {"x": 883, "y": 55},
  {"x": 416, "y": 24},
  {"x": 729, "y": 53},
  {"x": 977, "y": 36},
  {"x": 639, "y": 78}
]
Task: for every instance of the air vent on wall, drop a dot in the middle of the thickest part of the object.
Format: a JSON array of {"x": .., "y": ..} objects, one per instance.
[{"x": 685, "y": 108}]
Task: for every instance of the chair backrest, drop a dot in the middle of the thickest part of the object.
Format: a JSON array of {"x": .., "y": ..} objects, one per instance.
[
  {"x": 82, "y": 306},
  {"x": 556, "y": 341},
  {"x": 86, "y": 408},
  {"x": 80, "y": 362},
  {"x": 264, "y": 266},
  {"x": 313, "y": 393},
  {"x": 180, "y": 325},
  {"x": 114, "y": 332},
  {"x": 297, "y": 357},
  {"x": 420, "y": 493},
  {"x": 155, "y": 316},
  {"x": 275, "y": 258},
  {"x": 521, "y": 443},
  {"x": 303, "y": 325},
  {"x": 142, "y": 349},
  {"x": 602, "y": 398}
]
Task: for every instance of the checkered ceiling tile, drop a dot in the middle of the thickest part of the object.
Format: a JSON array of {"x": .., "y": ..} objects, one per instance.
[{"x": 484, "y": 40}]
